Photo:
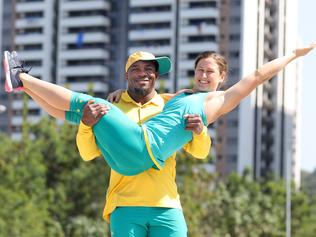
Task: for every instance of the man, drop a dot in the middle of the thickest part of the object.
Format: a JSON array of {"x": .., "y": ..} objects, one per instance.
[{"x": 147, "y": 204}]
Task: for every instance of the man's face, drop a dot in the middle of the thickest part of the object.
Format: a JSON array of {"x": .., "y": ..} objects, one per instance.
[{"x": 141, "y": 77}]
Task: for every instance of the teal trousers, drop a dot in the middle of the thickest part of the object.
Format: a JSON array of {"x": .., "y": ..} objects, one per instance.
[{"x": 147, "y": 222}]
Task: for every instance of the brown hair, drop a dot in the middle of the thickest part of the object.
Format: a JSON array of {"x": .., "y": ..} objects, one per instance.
[{"x": 219, "y": 59}]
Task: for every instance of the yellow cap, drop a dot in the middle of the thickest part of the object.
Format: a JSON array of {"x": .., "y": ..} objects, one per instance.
[{"x": 163, "y": 62}]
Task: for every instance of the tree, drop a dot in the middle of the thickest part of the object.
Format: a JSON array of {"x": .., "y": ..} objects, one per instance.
[
  {"x": 307, "y": 227},
  {"x": 75, "y": 187},
  {"x": 309, "y": 183},
  {"x": 236, "y": 205},
  {"x": 44, "y": 184},
  {"x": 47, "y": 190},
  {"x": 24, "y": 209}
]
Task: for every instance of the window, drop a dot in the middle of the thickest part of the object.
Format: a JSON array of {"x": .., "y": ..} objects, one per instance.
[{"x": 203, "y": 4}]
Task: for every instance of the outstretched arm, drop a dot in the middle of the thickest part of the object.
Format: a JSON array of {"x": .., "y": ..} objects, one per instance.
[{"x": 230, "y": 98}]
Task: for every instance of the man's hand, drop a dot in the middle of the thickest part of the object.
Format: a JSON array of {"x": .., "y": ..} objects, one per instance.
[
  {"x": 194, "y": 123},
  {"x": 115, "y": 96},
  {"x": 93, "y": 112}
]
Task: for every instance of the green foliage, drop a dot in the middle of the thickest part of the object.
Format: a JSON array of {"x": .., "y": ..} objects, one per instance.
[
  {"x": 237, "y": 205},
  {"x": 308, "y": 227},
  {"x": 24, "y": 209},
  {"x": 309, "y": 183},
  {"x": 83, "y": 226},
  {"x": 162, "y": 86},
  {"x": 20, "y": 215},
  {"x": 45, "y": 186},
  {"x": 47, "y": 190}
]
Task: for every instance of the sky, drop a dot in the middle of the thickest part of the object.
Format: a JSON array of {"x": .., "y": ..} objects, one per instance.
[{"x": 307, "y": 34}]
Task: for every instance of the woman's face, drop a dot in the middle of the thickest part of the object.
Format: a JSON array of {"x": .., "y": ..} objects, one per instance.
[{"x": 207, "y": 75}]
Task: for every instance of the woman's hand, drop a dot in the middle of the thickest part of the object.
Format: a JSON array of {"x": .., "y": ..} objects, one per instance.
[
  {"x": 115, "y": 96},
  {"x": 305, "y": 50}
]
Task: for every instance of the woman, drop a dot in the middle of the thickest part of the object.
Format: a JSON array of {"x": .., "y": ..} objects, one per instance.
[{"x": 160, "y": 136}]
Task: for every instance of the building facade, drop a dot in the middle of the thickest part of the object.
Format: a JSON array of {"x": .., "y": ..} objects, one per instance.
[
  {"x": 6, "y": 37},
  {"x": 262, "y": 132},
  {"x": 83, "y": 55},
  {"x": 178, "y": 29},
  {"x": 33, "y": 38}
]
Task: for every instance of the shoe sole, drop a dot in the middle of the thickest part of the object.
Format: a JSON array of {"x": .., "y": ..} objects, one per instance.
[{"x": 8, "y": 83}]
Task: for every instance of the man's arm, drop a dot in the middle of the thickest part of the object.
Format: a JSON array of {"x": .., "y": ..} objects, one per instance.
[
  {"x": 86, "y": 144},
  {"x": 200, "y": 145}
]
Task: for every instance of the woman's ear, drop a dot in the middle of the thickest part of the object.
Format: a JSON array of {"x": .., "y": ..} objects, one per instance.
[
  {"x": 223, "y": 77},
  {"x": 222, "y": 80}
]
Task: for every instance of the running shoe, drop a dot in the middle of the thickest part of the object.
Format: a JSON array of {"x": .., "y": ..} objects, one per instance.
[{"x": 12, "y": 68}]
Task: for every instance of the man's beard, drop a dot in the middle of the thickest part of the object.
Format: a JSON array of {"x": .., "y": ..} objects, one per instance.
[{"x": 140, "y": 92}]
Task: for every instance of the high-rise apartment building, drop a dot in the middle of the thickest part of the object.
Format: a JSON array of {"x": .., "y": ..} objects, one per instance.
[
  {"x": 178, "y": 29},
  {"x": 83, "y": 50},
  {"x": 230, "y": 46},
  {"x": 65, "y": 42},
  {"x": 34, "y": 36},
  {"x": 262, "y": 132},
  {"x": 6, "y": 38}
]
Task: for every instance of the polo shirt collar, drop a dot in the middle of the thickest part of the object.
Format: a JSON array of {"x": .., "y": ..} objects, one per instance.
[{"x": 156, "y": 100}]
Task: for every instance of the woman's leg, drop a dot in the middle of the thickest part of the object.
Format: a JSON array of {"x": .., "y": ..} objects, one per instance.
[
  {"x": 52, "y": 111},
  {"x": 57, "y": 96}
]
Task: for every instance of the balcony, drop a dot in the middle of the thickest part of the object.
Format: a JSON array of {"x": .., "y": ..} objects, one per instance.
[
  {"x": 30, "y": 39},
  {"x": 84, "y": 54},
  {"x": 31, "y": 6},
  {"x": 197, "y": 47},
  {"x": 89, "y": 70},
  {"x": 146, "y": 3},
  {"x": 30, "y": 22},
  {"x": 85, "y": 21},
  {"x": 87, "y": 37},
  {"x": 18, "y": 120},
  {"x": 32, "y": 55},
  {"x": 186, "y": 65},
  {"x": 150, "y": 34},
  {"x": 85, "y": 5},
  {"x": 201, "y": 29},
  {"x": 84, "y": 86},
  {"x": 151, "y": 18},
  {"x": 156, "y": 50},
  {"x": 18, "y": 104},
  {"x": 199, "y": 13}
]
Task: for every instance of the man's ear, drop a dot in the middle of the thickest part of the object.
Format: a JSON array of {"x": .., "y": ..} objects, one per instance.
[{"x": 126, "y": 76}]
